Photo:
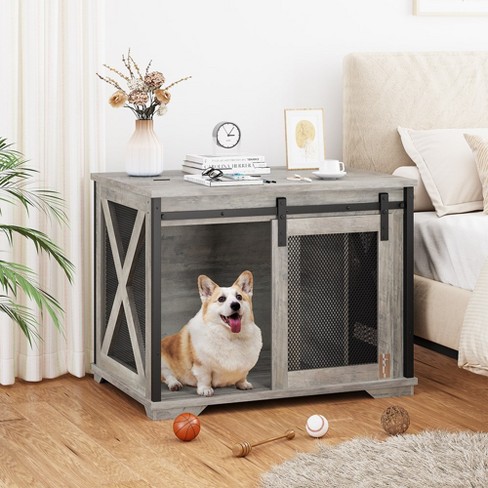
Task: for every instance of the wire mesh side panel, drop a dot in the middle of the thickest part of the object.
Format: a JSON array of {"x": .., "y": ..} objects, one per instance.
[
  {"x": 332, "y": 300},
  {"x": 121, "y": 346}
]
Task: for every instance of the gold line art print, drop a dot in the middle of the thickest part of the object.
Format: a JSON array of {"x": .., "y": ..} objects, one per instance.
[{"x": 304, "y": 131}]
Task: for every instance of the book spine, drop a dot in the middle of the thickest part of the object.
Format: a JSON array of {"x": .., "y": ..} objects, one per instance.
[
  {"x": 192, "y": 169},
  {"x": 224, "y": 166},
  {"x": 227, "y": 165},
  {"x": 209, "y": 161},
  {"x": 202, "y": 181},
  {"x": 198, "y": 180}
]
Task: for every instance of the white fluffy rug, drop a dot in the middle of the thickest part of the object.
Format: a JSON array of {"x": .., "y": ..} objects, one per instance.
[{"x": 433, "y": 459}]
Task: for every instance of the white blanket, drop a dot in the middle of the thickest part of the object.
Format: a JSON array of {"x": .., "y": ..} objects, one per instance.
[
  {"x": 451, "y": 249},
  {"x": 473, "y": 342}
]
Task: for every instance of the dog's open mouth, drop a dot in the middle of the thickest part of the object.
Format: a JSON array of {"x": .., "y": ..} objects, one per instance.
[{"x": 233, "y": 321}]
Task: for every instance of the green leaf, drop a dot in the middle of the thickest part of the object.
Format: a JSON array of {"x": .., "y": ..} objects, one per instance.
[
  {"x": 21, "y": 316},
  {"x": 42, "y": 243},
  {"x": 15, "y": 189},
  {"x": 14, "y": 276}
]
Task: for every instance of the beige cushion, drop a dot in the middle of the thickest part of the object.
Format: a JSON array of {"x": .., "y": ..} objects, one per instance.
[
  {"x": 479, "y": 147},
  {"x": 421, "y": 200},
  {"x": 447, "y": 167}
]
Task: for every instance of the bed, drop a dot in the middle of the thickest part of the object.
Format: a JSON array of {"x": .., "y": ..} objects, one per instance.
[{"x": 425, "y": 116}]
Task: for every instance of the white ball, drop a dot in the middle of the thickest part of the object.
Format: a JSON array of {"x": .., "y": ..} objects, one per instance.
[{"x": 317, "y": 426}]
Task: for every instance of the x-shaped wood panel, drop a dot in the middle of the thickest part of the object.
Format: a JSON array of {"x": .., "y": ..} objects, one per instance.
[{"x": 124, "y": 296}]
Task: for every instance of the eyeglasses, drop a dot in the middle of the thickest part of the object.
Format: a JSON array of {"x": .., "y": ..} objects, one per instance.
[{"x": 212, "y": 173}]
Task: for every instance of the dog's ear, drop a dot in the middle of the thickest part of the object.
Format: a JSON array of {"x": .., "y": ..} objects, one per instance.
[
  {"x": 245, "y": 282},
  {"x": 206, "y": 287}
]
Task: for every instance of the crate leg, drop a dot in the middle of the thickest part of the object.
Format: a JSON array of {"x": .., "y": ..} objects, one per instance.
[
  {"x": 155, "y": 413},
  {"x": 390, "y": 391},
  {"x": 98, "y": 378}
]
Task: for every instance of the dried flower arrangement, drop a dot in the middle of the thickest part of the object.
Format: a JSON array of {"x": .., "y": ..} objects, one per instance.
[{"x": 146, "y": 95}]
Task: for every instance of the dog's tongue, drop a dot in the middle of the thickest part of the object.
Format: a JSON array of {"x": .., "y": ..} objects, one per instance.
[{"x": 235, "y": 323}]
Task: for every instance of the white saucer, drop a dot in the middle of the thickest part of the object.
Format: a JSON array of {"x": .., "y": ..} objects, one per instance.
[{"x": 330, "y": 176}]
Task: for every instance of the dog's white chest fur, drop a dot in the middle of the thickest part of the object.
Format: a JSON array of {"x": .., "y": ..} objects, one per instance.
[{"x": 229, "y": 356}]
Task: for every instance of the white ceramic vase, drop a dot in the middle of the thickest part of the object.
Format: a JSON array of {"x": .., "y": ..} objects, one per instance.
[{"x": 144, "y": 154}]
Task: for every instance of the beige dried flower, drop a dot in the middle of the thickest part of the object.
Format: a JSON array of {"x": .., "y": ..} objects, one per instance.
[
  {"x": 163, "y": 96},
  {"x": 118, "y": 99},
  {"x": 146, "y": 95},
  {"x": 136, "y": 84},
  {"x": 162, "y": 109},
  {"x": 138, "y": 97},
  {"x": 154, "y": 79}
]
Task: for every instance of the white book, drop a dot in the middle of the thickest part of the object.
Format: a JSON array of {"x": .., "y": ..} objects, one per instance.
[
  {"x": 189, "y": 168},
  {"x": 203, "y": 180},
  {"x": 222, "y": 165},
  {"x": 231, "y": 158}
]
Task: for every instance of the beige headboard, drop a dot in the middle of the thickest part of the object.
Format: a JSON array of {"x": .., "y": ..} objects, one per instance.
[{"x": 416, "y": 90}]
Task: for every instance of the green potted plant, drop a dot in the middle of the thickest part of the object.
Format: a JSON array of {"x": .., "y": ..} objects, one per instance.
[{"x": 16, "y": 278}]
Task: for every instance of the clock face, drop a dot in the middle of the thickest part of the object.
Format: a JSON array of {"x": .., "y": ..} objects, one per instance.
[{"x": 227, "y": 135}]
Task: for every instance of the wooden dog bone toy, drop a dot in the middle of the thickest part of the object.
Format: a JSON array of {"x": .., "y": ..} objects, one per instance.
[{"x": 242, "y": 449}]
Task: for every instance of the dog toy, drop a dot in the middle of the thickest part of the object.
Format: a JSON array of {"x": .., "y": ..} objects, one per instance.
[
  {"x": 317, "y": 426},
  {"x": 186, "y": 426},
  {"x": 395, "y": 420},
  {"x": 242, "y": 449}
]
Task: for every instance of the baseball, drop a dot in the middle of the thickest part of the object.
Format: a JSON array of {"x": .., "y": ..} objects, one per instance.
[{"x": 317, "y": 426}]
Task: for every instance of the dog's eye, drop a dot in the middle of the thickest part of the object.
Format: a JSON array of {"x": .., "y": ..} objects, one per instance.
[
  {"x": 222, "y": 299},
  {"x": 239, "y": 297}
]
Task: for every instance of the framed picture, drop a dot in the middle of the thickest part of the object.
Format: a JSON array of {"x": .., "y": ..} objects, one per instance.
[
  {"x": 450, "y": 7},
  {"x": 304, "y": 131}
]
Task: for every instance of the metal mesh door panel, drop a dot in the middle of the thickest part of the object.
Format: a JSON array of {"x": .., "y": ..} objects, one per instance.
[{"x": 332, "y": 300}]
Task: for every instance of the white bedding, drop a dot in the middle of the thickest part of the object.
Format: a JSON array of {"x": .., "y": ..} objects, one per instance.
[
  {"x": 451, "y": 249},
  {"x": 454, "y": 249}
]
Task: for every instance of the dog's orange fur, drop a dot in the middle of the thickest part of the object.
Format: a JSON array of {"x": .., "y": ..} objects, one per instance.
[{"x": 179, "y": 354}]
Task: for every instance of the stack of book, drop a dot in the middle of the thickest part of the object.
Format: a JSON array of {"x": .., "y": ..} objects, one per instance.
[
  {"x": 226, "y": 180},
  {"x": 233, "y": 164}
]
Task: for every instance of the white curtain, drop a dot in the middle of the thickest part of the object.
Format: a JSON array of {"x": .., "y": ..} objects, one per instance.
[{"x": 53, "y": 111}]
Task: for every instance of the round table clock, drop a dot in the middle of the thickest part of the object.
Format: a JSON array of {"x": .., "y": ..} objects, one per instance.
[{"x": 226, "y": 135}]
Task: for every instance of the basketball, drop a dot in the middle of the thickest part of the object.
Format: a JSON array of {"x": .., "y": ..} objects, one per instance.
[{"x": 186, "y": 426}]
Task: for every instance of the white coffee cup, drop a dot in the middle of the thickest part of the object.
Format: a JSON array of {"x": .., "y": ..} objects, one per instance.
[{"x": 330, "y": 166}]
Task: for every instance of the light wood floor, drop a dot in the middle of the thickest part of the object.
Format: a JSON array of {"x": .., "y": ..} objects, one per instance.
[{"x": 73, "y": 432}]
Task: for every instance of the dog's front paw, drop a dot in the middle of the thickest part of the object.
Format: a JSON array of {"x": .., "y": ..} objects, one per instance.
[
  {"x": 175, "y": 386},
  {"x": 244, "y": 385},
  {"x": 205, "y": 391}
]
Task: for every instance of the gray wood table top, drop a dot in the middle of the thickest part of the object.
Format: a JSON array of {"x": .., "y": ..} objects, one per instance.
[{"x": 178, "y": 194}]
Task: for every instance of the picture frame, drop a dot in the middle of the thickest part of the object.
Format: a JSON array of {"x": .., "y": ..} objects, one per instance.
[
  {"x": 450, "y": 7},
  {"x": 304, "y": 134}
]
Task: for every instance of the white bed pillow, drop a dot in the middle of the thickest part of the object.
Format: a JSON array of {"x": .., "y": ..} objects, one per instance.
[
  {"x": 447, "y": 167},
  {"x": 421, "y": 199},
  {"x": 479, "y": 146}
]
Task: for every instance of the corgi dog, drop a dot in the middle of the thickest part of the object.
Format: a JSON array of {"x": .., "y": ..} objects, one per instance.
[{"x": 219, "y": 345}]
